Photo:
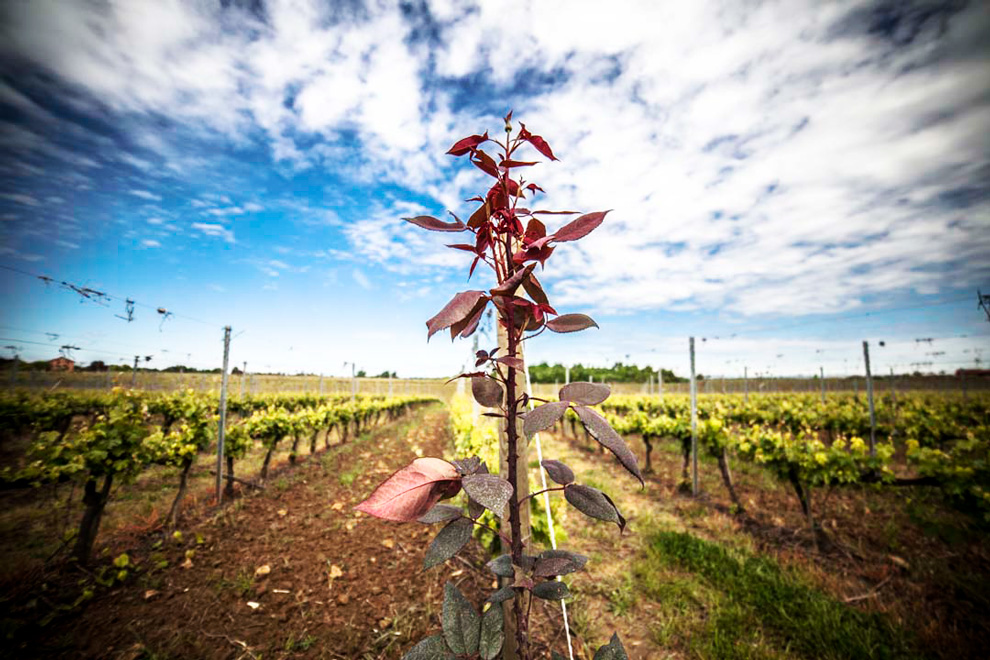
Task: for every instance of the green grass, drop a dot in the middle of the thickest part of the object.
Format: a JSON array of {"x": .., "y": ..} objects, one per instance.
[{"x": 722, "y": 604}]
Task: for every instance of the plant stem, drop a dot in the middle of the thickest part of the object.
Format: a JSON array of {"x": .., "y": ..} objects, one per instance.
[
  {"x": 515, "y": 527},
  {"x": 540, "y": 492}
]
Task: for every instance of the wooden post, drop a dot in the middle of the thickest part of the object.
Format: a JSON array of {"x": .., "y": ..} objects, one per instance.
[
  {"x": 821, "y": 377},
  {"x": 694, "y": 424},
  {"x": 869, "y": 396},
  {"x": 223, "y": 413}
]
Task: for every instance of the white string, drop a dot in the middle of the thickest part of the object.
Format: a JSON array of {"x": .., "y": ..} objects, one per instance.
[{"x": 546, "y": 506}]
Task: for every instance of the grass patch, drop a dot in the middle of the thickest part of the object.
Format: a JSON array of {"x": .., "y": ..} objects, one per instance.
[
  {"x": 736, "y": 600},
  {"x": 347, "y": 478}
]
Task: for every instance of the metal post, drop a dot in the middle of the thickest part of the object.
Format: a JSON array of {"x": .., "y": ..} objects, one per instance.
[
  {"x": 134, "y": 373},
  {"x": 869, "y": 395},
  {"x": 821, "y": 377},
  {"x": 223, "y": 414},
  {"x": 694, "y": 425},
  {"x": 353, "y": 382},
  {"x": 660, "y": 383},
  {"x": 567, "y": 375},
  {"x": 893, "y": 390}
]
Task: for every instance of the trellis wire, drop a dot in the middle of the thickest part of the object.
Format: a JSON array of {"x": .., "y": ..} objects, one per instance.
[{"x": 546, "y": 507}]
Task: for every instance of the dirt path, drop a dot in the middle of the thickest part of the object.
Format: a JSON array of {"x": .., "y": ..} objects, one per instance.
[{"x": 293, "y": 572}]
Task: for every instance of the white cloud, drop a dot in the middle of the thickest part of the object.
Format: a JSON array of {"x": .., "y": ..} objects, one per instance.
[
  {"x": 17, "y": 254},
  {"x": 144, "y": 194},
  {"x": 19, "y": 198},
  {"x": 231, "y": 210},
  {"x": 214, "y": 230},
  {"x": 361, "y": 279},
  {"x": 761, "y": 158},
  {"x": 150, "y": 243}
]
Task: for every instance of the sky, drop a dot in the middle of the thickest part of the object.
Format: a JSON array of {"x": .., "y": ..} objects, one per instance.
[{"x": 787, "y": 179}]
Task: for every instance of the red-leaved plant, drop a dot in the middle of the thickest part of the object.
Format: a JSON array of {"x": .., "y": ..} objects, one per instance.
[{"x": 510, "y": 240}]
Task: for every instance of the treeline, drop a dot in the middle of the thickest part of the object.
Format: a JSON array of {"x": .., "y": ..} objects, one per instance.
[{"x": 617, "y": 373}]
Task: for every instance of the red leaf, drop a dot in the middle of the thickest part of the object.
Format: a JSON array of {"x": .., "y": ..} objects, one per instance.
[
  {"x": 533, "y": 254},
  {"x": 412, "y": 491},
  {"x": 513, "y": 362},
  {"x": 459, "y": 306},
  {"x": 478, "y": 218},
  {"x": 509, "y": 286},
  {"x": 534, "y": 230},
  {"x": 571, "y": 323},
  {"x": 601, "y": 431},
  {"x": 517, "y": 163},
  {"x": 466, "y": 326},
  {"x": 485, "y": 163},
  {"x": 587, "y": 394},
  {"x": 579, "y": 227},
  {"x": 461, "y": 147},
  {"x": 538, "y": 142},
  {"x": 462, "y": 246},
  {"x": 533, "y": 187},
  {"x": 535, "y": 291},
  {"x": 556, "y": 212},
  {"x": 433, "y": 224},
  {"x": 487, "y": 392}
]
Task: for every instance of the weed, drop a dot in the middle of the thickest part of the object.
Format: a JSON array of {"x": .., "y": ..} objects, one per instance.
[{"x": 754, "y": 593}]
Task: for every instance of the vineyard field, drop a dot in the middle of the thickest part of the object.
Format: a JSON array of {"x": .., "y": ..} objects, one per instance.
[{"x": 865, "y": 545}]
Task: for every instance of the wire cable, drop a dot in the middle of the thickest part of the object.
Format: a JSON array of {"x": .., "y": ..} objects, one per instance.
[{"x": 546, "y": 507}]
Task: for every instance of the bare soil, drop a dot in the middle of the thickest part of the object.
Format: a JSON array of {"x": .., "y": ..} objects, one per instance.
[{"x": 290, "y": 572}]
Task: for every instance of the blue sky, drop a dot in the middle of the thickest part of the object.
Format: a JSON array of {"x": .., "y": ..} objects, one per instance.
[{"x": 787, "y": 178}]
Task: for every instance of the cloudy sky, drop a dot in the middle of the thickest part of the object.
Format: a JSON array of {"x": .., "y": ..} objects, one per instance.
[{"x": 787, "y": 178}]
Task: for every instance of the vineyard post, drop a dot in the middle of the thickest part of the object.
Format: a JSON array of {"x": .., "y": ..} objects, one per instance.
[
  {"x": 243, "y": 376},
  {"x": 893, "y": 390},
  {"x": 567, "y": 375},
  {"x": 660, "y": 383},
  {"x": 134, "y": 373},
  {"x": 694, "y": 424},
  {"x": 746, "y": 384},
  {"x": 869, "y": 396},
  {"x": 390, "y": 384},
  {"x": 223, "y": 413},
  {"x": 321, "y": 384},
  {"x": 353, "y": 382},
  {"x": 821, "y": 377}
]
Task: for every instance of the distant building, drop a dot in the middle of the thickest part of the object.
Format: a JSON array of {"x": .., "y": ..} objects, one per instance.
[
  {"x": 61, "y": 364},
  {"x": 973, "y": 373}
]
